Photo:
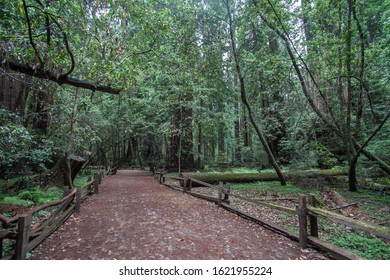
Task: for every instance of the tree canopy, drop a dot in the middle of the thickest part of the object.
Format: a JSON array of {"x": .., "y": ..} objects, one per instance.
[{"x": 160, "y": 83}]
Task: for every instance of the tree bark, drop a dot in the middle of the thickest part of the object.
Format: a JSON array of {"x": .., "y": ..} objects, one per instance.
[
  {"x": 68, "y": 169},
  {"x": 359, "y": 112},
  {"x": 14, "y": 90},
  {"x": 352, "y": 166},
  {"x": 246, "y": 102}
]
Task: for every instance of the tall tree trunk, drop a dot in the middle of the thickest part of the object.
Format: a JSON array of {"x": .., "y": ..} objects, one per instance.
[
  {"x": 129, "y": 154},
  {"x": 359, "y": 112},
  {"x": 348, "y": 134},
  {"x": 245, "y": 127},
  {"x": 237, "y": 132},
  {"x": 179, "y": 151},
  {"x": 68, "y": 170},
  {"x": 14, "y": 90},
  {"x": 200, "y": 139},
  {"x": 42, "y": 111},
  {"x": 246, "y": 103},
  {"x": 352, "y": 166}
]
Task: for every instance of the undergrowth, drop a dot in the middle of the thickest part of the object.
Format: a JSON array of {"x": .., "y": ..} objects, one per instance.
[
  {"x": 32, "y": 197},
  {"x": 368, "y": 246},
  {"x": 22, "y": 191},
  {"x": 371, "y": 203}
]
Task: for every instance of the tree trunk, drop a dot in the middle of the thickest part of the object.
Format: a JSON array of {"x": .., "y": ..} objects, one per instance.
[
  {"x": 199, "y": 144},
  {"x": 359, "y": 112},
  {"x": 68, "y": 169},
  {"x": 14, "y": 89},
  {"x": 348, "y": 135},
  {"x": 42, "y": 116},
  {"x": 352, "y": 166},
  {"x": 246, "y": 103}
]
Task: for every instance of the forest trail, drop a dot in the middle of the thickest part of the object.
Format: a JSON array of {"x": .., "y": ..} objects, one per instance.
[{"x": 133, "y": 217}]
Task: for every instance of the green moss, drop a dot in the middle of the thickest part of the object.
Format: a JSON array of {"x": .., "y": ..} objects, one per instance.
[{"x": 260, "y": 188}]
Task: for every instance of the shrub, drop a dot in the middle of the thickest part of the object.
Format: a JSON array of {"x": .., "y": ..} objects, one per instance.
[{"x": 20, "y": 151}]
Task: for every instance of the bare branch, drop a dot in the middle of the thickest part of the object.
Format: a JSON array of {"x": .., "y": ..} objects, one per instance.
[
  {"x": 62, "y": 79},
  {"x": 30, "y": 33}
]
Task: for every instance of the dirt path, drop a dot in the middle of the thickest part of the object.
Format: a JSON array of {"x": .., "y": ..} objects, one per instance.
[{"x": 133, "y": 217}]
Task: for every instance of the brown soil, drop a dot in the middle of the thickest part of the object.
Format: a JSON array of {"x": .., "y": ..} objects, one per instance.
[{"x": 133, "y": 217}]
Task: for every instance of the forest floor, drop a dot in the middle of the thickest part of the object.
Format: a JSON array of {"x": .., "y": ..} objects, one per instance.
[{"x": 133, "y": 217}]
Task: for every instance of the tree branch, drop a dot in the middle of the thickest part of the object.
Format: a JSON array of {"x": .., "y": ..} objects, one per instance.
[
  {"x": 30, "y": 33},
  {"x": 62, "y": 79}
]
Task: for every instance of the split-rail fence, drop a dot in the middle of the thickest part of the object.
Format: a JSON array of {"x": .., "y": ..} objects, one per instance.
[
  {"x": 26, "y": 231},
  {"x": 306, "y": 212}
]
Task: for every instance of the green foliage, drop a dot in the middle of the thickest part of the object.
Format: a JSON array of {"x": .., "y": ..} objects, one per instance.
[
  {"x": 16, "y": 200},
  {"x": 32, "y": 197},
  {"x": 170, "y": 54},
  {"x": 369, "y": 247},
  {"x": 325, "y": 158},
  {"x": 20, "y": 151}
]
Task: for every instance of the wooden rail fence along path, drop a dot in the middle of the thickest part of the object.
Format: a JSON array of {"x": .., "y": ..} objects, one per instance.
[
  {"x": 306, "y": 212},
  {"x": 27, "y": 234}
]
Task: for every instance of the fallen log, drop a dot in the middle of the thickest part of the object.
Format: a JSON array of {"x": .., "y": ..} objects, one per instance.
[
  {"x": 213, "y": 178},
  {"x": 342, "y": 207}
]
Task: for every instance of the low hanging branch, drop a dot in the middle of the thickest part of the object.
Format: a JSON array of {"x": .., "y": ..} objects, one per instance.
[
  {"x": 38, "y": 71},
  {"x": 47, "y": 75}
]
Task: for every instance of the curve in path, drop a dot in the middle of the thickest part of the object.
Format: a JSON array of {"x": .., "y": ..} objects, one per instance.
[{"x": 133, "y": 217}]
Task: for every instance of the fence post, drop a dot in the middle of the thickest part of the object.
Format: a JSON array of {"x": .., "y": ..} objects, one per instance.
[
  {"x": 185, "y": 184},
  {"x": 24, "y": 224},
  {"x": 313, "y": 219},
  {"x": 89, "y": 188},
  {"x": 1, "y": 247},
  {"x": 220, "y": 186},
  {"x": 302, "y": 218},
  {"x": 227, "y": 193},
  {"x": 96, "y": 184},
  {"x": 46, "y": 179},
  {"x": 78, "y": 200}
]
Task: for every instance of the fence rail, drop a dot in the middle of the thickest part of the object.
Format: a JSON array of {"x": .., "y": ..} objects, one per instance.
[
  {"x": 306, "y": 212},
  {"x": 26, "y": 234}
]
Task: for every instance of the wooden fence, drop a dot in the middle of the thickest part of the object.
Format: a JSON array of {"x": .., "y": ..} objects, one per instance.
[
  {"x": 306, "y": 212},
  {"x": 27, "y": 231}
]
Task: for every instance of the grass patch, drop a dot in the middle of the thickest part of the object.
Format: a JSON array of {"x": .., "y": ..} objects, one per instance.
[{"x": 80, "y": 180}]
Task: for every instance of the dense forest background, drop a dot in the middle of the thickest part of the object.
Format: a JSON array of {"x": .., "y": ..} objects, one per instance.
[{"x": 189, "y": 84}]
